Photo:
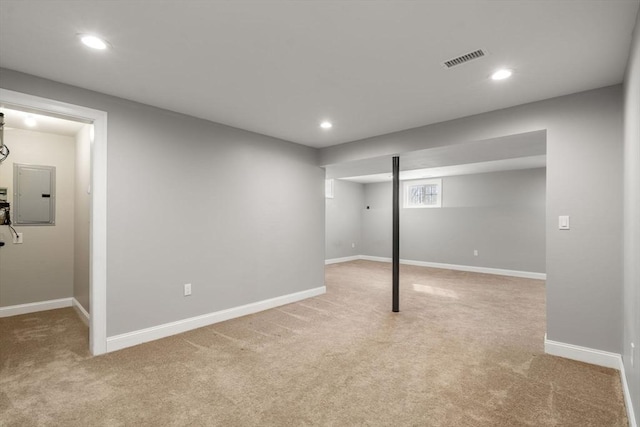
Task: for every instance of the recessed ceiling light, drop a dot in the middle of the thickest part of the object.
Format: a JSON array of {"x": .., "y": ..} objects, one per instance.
[
  {"x": 501, "y": 74},
  {"x": 30, "y": 121},
  {"x": 326, "y": 125},
  {"x": 93, "y": 42}
]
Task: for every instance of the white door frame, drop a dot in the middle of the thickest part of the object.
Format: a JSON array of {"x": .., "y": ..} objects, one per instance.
[{"x": 98, "y": 231}]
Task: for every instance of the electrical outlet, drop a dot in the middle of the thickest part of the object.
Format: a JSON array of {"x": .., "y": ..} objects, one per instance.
[
  {"x": 17, "y": 239},
  {"x": 475, "y": 252},
  {"x": 353, "y": 245},
  {"x": 187, "y": 289}
]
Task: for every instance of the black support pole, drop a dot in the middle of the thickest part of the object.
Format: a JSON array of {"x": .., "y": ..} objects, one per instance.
[{"x": 396, "y": 234}]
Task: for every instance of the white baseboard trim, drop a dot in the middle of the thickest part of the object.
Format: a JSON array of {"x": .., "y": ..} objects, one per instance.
[
  {"x": 375, "y": 258},
  {"x": 343, "y": 259},
  {"x": 470, "y": 268},
  {"x": 633, "y": 422},
  {"x": 582, "y": 354},
  {"x": 33, "y": 307},
  {"x": 130, "y": 339},
  {"x": 595, "y": 357},
  {"x": 84, "y": 315}
]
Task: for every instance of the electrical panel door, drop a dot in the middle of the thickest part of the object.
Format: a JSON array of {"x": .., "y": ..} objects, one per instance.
[{"x": 34, "y": 194}]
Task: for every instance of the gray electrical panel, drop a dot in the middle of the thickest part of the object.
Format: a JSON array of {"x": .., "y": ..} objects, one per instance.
[{"x": 34, "y": 195}]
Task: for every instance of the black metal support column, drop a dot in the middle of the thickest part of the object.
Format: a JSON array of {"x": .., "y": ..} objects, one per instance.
[{"x": 396, "y": 234}]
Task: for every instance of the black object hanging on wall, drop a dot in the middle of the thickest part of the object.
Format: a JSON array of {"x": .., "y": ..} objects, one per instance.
[
  {"x": 4, "y": 150},
  {"x": 396, "y": 235}
]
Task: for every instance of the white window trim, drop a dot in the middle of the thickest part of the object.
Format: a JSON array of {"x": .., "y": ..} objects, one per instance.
[{"x": 434, "y": 181}]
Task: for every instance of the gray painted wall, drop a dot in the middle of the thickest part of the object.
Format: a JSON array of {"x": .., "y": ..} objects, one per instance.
[
  {"x": 238, "y": 215},
  {"x": 81, "y": 226},
  {"x": 41, "y": 268},
  {"x": 501, "y": 214},
  {"x": 343, "y": 220},
  {"x": 584, "y": 180},
  {"x": 632, "y": 219}
]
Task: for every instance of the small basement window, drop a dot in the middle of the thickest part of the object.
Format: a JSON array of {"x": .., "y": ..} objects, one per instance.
[{"x": 424, "y": 193}]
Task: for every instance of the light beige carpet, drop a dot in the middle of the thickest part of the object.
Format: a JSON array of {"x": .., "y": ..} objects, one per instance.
[{"x": 465, "y": 350}]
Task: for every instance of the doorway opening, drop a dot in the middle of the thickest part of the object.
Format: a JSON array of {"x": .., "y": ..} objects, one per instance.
[
  {"x": 90, "y": 144},
  {"x": 474, "y": 207},
  {"x": 477, "y": 206}
]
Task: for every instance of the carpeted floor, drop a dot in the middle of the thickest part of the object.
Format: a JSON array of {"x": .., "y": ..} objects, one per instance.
[{"x": 466, "y": 350}]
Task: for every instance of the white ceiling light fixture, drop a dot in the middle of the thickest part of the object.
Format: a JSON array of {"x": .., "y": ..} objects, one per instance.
[
  {"x": 30, "y": 121},
  {"x": 93, "y": 42},
  {"x": 326, "y": 125},
  {"x": 501, "y": 74}
]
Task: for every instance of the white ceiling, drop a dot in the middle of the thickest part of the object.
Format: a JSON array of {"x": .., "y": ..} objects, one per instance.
[
  {"x": 280, "y": 67},
  {"x": 15, "y": 119}
]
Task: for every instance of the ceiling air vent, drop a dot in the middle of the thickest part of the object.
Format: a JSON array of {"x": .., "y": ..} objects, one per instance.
[{"x": 464, "y": 58}]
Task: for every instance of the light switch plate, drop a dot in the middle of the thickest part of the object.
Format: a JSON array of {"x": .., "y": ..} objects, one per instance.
[{"x": 563, "y": 222}]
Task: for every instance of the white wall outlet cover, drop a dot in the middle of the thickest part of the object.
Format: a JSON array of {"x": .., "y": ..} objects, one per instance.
[
  {"x": 187, "y": 289},
  {"x": 17, "y": 239}
]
